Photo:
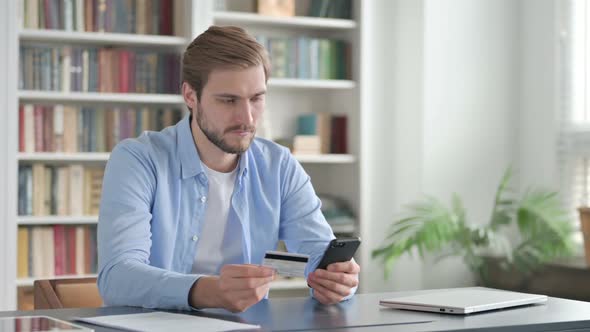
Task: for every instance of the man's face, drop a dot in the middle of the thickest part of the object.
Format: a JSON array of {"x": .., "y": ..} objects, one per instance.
[{"x": 230, "y": 105}]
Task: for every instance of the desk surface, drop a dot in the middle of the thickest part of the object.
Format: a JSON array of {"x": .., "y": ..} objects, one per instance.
[{"x": 364, "y": 313}]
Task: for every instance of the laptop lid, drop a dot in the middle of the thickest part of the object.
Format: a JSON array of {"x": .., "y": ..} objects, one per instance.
[{"x": 462, "y": 300}]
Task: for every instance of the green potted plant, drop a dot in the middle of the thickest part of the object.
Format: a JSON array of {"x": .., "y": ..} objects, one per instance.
[{"x": 543, "y": 232}]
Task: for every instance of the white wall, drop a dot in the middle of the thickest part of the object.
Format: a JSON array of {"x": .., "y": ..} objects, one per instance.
[
  {"x": 537, "y": 132},
  {"x": 471, "y": 85},
  {"x": 8, "y": 139},
  {"x": 444, "y": 96},
  {"x": 391, "y": 130}
]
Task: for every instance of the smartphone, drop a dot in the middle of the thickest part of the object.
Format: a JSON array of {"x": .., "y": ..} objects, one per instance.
[{"x": 339, "y": 250}]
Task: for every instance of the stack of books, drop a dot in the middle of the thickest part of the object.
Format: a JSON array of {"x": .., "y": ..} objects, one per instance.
[
  {"x": 70, "y": 128},
  {"x": 308, "y": 58},
  {"x": 47, "y": 251},
  {"x": 90, "y": 69},
  {"x": 337, "y": 213},
  {"x": 330, "y": 8},
  {"x": 320, "y": 133},
  {"x": 120, "y": 16},
  {"x": 59, "y": 190}
]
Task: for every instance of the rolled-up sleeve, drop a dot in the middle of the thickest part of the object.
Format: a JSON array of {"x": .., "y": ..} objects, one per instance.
[
  {"x": 124, "y": 236},
  {"x": 303, "y": 227}
]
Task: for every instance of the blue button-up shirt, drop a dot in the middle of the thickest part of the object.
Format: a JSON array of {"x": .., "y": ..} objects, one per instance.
[{"x": 151, "y": 212}]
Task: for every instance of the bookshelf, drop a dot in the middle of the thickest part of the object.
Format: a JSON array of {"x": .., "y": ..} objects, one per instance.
[
  {"x": 101, "y": 98},
  {"x": 53, "y": 220},
  {"x": 101, "y": 38},
  {"x": 287, "y": 98},
  {"x": 326, "y": 159},
  {"x": 64, "y": 157},
  {"x": 228, "y": 17},
  {"x": 311, "y": 84},
  {"x": 103, "y": 157}
]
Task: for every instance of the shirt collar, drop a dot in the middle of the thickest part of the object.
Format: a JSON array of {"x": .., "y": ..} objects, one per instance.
[{"x": 190, "y": 161}]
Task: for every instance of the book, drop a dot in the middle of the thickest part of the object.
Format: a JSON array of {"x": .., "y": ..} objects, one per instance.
[
  {"x": 318, "y": 124},
  {"x": 57, "y": 136},
  {"x": 70, "y": 250},
  {"x": 306, "y": 144},
  {"x": 59, "y": 235},
  {"x": 92, "y": 190},
  {"x": 39, "y": 189},
  {"x": 48, "y": 256},
  {"x": 76, "y": 190},
  {"x": 22, "y": 190},
  {"x": 80, "y": 247},
  {"x": 276, "y": 7},
  {"x": 330, "y": 8},
  {"x": 63, "y": 186},
  {"x": 23, "y": 252},
  {"x": 339, "y": 140},
  {"x": 36, "y": 252},
  {"x": 29, "y": 128}
]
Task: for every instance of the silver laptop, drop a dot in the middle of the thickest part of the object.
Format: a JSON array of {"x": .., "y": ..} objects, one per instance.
[{"x": 462, "y": 300}]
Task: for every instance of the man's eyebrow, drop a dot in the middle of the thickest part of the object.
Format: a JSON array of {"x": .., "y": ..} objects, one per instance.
[
  {"x": 232, "y": 96},
  {"x": 226, "y": 95}
]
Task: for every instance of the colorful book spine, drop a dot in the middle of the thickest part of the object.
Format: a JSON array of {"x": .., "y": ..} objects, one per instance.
[
  {"x": 87, "y": 69},
  {"x": 308, "y": 58},
  {"x": 48, "y": 251},
  {"x": 321, "y": 133},
  {"x": 119, "y": 16},
  {"x": 67, "y": 128}
]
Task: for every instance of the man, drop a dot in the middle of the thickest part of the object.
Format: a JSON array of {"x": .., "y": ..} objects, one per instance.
[{"x": 188, "y": 213}]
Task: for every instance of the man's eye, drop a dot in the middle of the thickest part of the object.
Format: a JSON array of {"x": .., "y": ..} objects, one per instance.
[
  {"x": 229, "y": 101},
  {"x": 256, "y": 99}
]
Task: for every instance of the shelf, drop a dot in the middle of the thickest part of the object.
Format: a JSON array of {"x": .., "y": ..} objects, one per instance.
[
  {"x": 343, "y": 228},
  {"x": 325, "y": 158},
  {"x": 287, "y": 284},
  {"x": 311, "y": 84},
  {"x": 56, "y": 220},
  {"x": 29, "y": 281},
  {"x": 165, "y": 99},
  {"x": 104, "y": 38},
  {"x": 228, "y": 17},
  {"x": 65, "y": 157},
  {"x": 100, "y": 97},
  {"x": 102, "y": 157}
]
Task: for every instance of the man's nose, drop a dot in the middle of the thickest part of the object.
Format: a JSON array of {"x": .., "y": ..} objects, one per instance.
[{"x": 245, "y": 113}]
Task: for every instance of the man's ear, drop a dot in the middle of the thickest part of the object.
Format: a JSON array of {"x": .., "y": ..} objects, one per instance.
[{"x": 189, "y": 95}]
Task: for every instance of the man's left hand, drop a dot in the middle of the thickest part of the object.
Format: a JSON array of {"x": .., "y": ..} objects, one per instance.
[{"x": 334, "y": 284}]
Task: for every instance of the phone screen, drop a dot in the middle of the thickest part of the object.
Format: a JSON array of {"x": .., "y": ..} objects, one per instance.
[{"x": 339, "y": 250}]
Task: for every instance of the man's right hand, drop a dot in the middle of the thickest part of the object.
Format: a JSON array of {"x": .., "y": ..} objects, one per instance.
[{"x": 237, "y": 288}]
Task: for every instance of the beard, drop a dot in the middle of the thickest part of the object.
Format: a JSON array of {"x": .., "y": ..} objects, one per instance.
[{"x": 216, "y": 137}]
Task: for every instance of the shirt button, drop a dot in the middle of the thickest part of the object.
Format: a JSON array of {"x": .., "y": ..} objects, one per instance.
[
  {"x": 203, "y": 199},
  {"x": 195, "y": 238}
]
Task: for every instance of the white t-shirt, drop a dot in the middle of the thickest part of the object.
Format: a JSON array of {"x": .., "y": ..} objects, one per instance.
[{"x": 211, "y": 254}]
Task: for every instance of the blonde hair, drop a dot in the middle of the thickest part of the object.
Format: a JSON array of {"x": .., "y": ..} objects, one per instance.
[{"x": 221, "y": 47}]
